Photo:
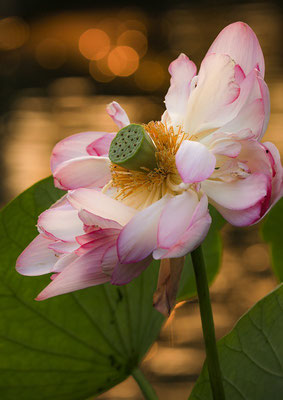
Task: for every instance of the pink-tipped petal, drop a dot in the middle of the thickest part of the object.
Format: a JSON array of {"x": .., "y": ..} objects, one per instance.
[
  {"x": 125, "y": 273},
  {"x": 81, "y": 172},
  {"x": 240, "y": 194},
  {"x": 100, "y": 147},
  {"x": 118, "y": 114},
  {"x": 99, "y": 204},
  {"x": 73, "y": 147},
  {"x": 277, "y": 181},
  {"x": 194, "y": 162},
  {"x": 37, "y": 258},
  {"x": 240, "y": 218},
  {"x": 212, "y": 102},
  {"x": 83, "y": 272},
  {"x": 175, "y": 218},
  {"x": 182, "y": 70},
  {"x": 266, "y": 105},
  {"x": 91, "y": 220},
  {"x": 138, "y": 238},
  {"x": 61, "y": 223},
  {"x": 239, "y": 41},
  {"x": 196, "y": 231}
]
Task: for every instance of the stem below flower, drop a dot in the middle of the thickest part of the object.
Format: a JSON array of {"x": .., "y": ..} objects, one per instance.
[
  {"x": 145, "y": 386},
  {"x": 212, "y": 359}
]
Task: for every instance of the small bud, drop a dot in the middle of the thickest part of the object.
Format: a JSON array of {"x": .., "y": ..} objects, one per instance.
[{"x": 132, "y": 148}]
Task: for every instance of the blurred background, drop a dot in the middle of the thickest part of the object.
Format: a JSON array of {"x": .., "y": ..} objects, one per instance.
[{"x": 62, "y": 62}]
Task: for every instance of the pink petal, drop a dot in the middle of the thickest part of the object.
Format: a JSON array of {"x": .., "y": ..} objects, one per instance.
[
  {"x": 82, "y": 172},
  {"x": 118, "y": 114},
  {"x": 63, "y": 262},
  {"x": 138, "y": 238},
  {"x": 100, "y": 147},
  {"x": 125, "y": 273},
  {"x": 73, "y": 147},
  {"x": 61, "y": 223},
  {"x": 195, "y": 232},
  {"x": 91, "y": 220},
  {"x": 266, "y": 104},
  {"x": 244, "y": 217},
  {"x": 182, "y": 70},
  {"x": 176, "y": 217},
  {"x": 85, "y": 271},
  {"x": 194, "y": 162},
  {"x": 63, "y": 247},
  {"x": 209, "y": 104},
  {"x": 277, "y": 181},
  {"x": 251, "y": 116},
  {"x": 240, "y": 194},
  {"x": 239, "y": 41},
  {"x": 101, "y": 205},
  {"x": 227, "y": 148},
  {"x": 37, "y": 258}
]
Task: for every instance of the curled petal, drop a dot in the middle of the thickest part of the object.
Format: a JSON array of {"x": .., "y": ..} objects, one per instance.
[
  {"x": 73, "y": 147},
  {"x": 209, "y": 104},
  {"x": 61, "y": 223},
  {"x": 118, "y": 114},
  {"x": 37, "y": 258},
  {"x": 240, "y": 42},
  {"x": 182, "y": 70},
  {"x": 91, "y": 220},
  {"x": 194, "y": 162},
  {"x": 82, "y": 172},
  {"x": 100, "y": 147},
  {"x": 193, "y": 229},
  {"x": 83, "y": 272},
  {"x": 240, "y": 194},
  {"x": 101, "y": 205},
  {"x": 138, "y": 238}
]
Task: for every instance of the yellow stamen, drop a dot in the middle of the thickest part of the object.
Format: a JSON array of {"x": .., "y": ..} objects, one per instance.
[{"x": 142, "y": 188}]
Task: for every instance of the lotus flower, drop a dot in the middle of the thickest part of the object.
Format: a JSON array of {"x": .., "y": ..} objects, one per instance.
[{"x": 117, "y": 216}]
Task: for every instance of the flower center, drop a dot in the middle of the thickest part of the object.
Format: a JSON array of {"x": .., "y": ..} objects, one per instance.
[{"x": 141, "y": 186}]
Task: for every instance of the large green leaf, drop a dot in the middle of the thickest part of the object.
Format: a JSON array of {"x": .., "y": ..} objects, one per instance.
[
  {"x": 272, "y": 234},
  {"x": 251, "y": 355},
  {"x": 72, "y": 346},
  {"x": 212, "y": 250}
]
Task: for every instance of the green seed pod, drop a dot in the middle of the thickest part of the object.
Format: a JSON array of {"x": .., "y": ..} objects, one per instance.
[{"x": 132, "y": 148}]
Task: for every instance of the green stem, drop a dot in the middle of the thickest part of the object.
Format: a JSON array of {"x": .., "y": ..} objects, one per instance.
[
  {"x": 145, "y": 386},
  {"x": 213, "y": 365}
]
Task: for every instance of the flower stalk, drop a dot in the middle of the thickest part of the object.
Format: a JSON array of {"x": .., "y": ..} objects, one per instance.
[
  {"x": 145, "y": 386},
  {"x": 212, "y": 358}
]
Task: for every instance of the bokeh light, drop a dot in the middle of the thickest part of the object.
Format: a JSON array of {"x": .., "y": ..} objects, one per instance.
[
  {"x": 100, "y": 71},
  {"x": 150, "y": 76},
  {"x": 135, "y": 39},
  {"x": 50, "y": 53},
  {"x": 123, "y": 61},
  {"x": 94, "y": 44},
  {"x": 14, "y": 32}
]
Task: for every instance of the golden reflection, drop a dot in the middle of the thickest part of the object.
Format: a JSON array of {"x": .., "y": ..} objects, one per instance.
[{"x": 94, "y": 44}]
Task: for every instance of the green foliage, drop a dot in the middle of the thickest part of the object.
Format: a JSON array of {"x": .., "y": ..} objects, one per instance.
[
  {"x": 251, "y": 355},
  {"x": 212, "y": 249},
  {"x": 72, "y": 346},
  {"x": 272, "y": 234}
]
